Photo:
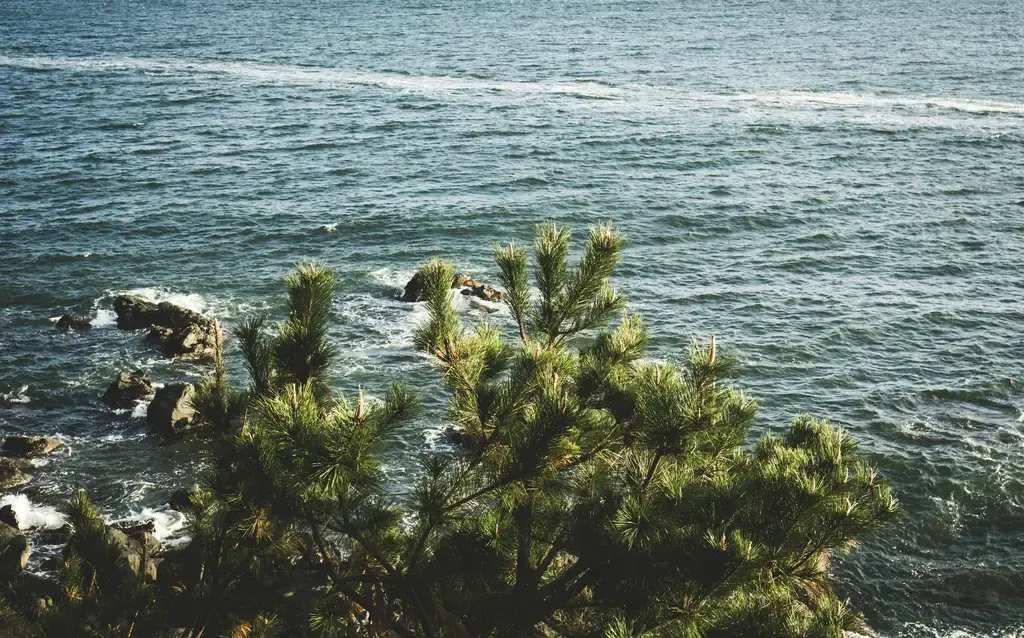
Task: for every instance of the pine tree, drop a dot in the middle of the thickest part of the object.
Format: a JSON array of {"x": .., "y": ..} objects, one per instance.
[{"x": 594, "y": 492}]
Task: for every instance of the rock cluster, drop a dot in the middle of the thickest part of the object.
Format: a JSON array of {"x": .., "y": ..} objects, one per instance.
[
  {"x": 176, "y": 331},
  {"x": 469, "y": 287}
]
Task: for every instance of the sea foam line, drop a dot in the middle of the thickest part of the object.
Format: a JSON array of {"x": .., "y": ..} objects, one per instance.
[{"x": 668, "y": 95}]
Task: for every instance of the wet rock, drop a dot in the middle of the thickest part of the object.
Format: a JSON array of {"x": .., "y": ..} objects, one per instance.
[
  {"x": 58, "y": 536},
  {"x": 483, "y": 291},
  {"x": 73, "y": 322},
  {"x": 25, "y": 446},
  {"x": 12, "y": 474},
  {"x": 181, "y": 500},
  {"x": 9, "y": 517},
  {"x": 128, "y": 388},
  {"x": 176, "y": 331},
  {"x": 134, "y": 313},
  {"x": 14, "y": 551},
  {"x": 171, "y": 411}
]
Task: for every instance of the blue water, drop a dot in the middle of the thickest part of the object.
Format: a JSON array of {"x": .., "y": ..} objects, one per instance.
[{"x": 834, "y": 189}]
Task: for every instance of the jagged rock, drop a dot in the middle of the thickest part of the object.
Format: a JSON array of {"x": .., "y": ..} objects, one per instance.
[
  {"x": 26, "y": 446},
  {"x": 176, "y": 331},
  {"x": 9, "y": 516},
  {"x": 134, "y": 313},
  {"x": 12, "y": 474},
  {"x": 171, "y": 410},
  {"x": 14, "y": 550},
  {"x": 414, "y": 289},
  {"x": 128, "y": 388},
  {"x": 73, "y": 322},
  {"x": 483, "y": 291},
  {"x": 138, "y": 549}
]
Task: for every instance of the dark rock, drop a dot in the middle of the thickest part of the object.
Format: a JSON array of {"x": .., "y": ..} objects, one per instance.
[
  {"x": 73, "y": 322},
  {"x": 128, "y": 388},
  {"x": 59, "y": 536},
  {"x": 176, "y": 331},
  {"x": 134, "y": 313},
  {"x": 181, "y": 500},
  {"x": 414, "y": 289},
  {"x": 171, "y": 410},
  {"x": 9, "y": 516},
  {"x": 483, "y": 291},
  {"x": 14, "y": 551},
  {"x": 25, "y": 446}
]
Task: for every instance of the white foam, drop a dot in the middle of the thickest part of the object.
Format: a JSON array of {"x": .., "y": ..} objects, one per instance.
[
  {"x": 32, "y": 515},
  {"x": 140, "y": 410},
  {"x": 103, "y": 317},
  {"x": 329, "y": 228},
  {"x": 21, "y": 396},
  {"x": 191, "y": 301},
  {"x": 168, "y": 524}
]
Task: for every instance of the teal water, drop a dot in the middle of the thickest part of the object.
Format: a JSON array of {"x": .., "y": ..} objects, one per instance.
[{"x": 836, "y": 190}]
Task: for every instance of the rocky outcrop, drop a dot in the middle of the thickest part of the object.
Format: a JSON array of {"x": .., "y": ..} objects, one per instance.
[
  {"x": 483, "y": 291},
  {"x": 9, "y": 517},
  {"x": 12, "y": 473},
  {"x": 137, "y": 546},
  {"x": 73, "y": 322},
  {"x": 21, "y": 446},
  {"x": 14, "y": 551},
  {"x": 176, "y": 331},
  {"x": 171, "y": 410},
  {"x": 128, "y": 388},
  {"x": 414, "y": 289},
  {"x": 181, "y": 500}
]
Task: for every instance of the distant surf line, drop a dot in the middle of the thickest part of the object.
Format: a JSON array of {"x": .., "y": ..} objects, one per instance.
[{"x": 671, "y": 96}]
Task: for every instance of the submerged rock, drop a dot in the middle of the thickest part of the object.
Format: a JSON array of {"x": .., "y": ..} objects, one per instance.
[
  {"x": 171, "y": 411},
  {"x": 128, "y": 388},
  {"x": 176, "y": 331},
  {"x": 73, "y": 322},
  {"x": 14, "y": 550},
  {"x": 25, "y": 446}
]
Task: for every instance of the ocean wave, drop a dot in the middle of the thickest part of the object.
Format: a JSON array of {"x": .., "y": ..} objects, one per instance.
[
  {"x": 32, "y": 515},
  {"x": 12, "y": 397},
  {"x": 168, "y": 525}
]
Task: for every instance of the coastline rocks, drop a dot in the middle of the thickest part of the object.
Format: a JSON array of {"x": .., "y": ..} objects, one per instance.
[
  {"x": 137, "y": 547},
  {"x": 9, "y": 517},
  {"x": 74, "y": 322},
  {"x": 14, "y": 550},
  {"x": 12, "y": 473},
  {"x": 128, "y": 388},
  {"x": 483, "y": 291},
  {"x": 176, "y": 331},
  {"x": 414, "y": 289},
  {"x": 21, "y": 446},
  {"x": 171, "y": 410}
]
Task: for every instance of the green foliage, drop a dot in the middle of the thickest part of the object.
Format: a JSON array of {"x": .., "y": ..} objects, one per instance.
[{"x": 596, "y": 493}]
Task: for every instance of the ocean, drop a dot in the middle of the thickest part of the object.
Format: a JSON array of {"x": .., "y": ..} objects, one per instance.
[{"x": 834, "y": 189}]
